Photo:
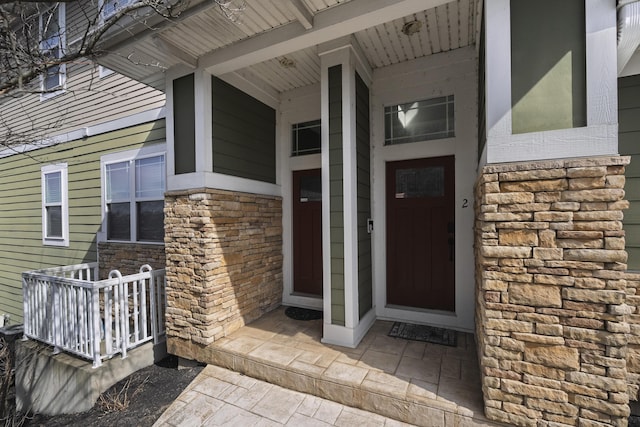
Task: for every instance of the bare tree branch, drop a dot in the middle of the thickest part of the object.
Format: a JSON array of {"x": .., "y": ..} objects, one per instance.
[{"x": 35, "y": 46}]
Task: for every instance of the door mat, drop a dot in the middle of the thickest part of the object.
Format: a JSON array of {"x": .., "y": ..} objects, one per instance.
[
  {"x": 298, "y": 313},
  {"x": 424, "y": 333}
]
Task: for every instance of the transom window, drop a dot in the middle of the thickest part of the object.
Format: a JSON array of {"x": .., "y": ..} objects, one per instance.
[
  {"x": 134, "y": 199},
  {"x": 419, "y": 121},
  {"x": 55, "y": 216},
  {"x": 52, "y": 45},
  {"x": 306, "y": 138}
]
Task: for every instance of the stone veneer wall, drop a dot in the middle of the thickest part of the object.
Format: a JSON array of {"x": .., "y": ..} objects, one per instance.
[
  {"x": 224, "y": 265},
  {"x": 128, "y": 257},
  {"x": 552, "y": 313},
  {"x": 633, "y": 350}
]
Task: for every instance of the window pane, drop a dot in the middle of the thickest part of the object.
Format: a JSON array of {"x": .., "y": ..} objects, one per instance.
[
  {"x": 310, "y": 188},
  {"x": 306, "y": 138},
  {"x": 118, "y": 181},
  {"x": 54, "y": 221},
  {"x": 53, "y": 187},
  {"x": 118, "y": 221},
  {"x": 151, "y": 221},
  {"x": 51, "y": 24},
  {"x": 420, "y": 182},
  {"x": 419, "y": 121},
  {"x": 52, "y": 78},
  {"x": 150, "y": 177}
]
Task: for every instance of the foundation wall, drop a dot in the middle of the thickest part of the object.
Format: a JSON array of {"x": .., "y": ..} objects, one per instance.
[
  {"x": 224, "y": 265},
  {"x": 552, "y": 311}
]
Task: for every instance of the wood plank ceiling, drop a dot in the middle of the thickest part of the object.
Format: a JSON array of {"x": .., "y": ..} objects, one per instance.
[{"x": 440, "y": 29}]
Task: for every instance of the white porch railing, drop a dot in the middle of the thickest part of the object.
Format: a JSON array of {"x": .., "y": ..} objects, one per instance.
[{"x": 68, "y": 308}]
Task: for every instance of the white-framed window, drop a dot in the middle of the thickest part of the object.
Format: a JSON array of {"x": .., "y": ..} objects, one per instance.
[
  {"x": 52, "y": 45},
  {"x": 55, "y": 205},
  {"x": 305, "y": 138},
  {"x": 419, "y": 121},
  {"x": 109, "y": 7},
  {"x": 133, "y": 193}
]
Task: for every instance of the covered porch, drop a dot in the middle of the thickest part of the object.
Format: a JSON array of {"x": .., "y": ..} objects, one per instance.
[{"x": 294, "y": 131}]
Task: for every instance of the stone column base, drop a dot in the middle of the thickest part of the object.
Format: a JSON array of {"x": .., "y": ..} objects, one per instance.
[
  {"x": 552, "y": 308},
  {"x": 224, "y": 264}
]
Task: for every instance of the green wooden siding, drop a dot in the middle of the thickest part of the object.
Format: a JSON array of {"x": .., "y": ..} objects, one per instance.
[
  {"x": 184, "y": 125},
  {"x": 336, "y": 192},
  {"x": 548, "y": 65},
  {"x": 21, "y": 247},
  {"x": 363, "y": 162},
  {"x": 629, "y": 145},
  {"x": 244, "y": 134}
]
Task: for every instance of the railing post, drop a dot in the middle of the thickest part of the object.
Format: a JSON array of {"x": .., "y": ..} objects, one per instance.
[
  {"x": 56, "y": 312},
  {"x": 26, "y": 306},
  {"x": 95, "y": 330},
  {"x": 121, "y": 304},
  {"x": 143, "y": 315}
]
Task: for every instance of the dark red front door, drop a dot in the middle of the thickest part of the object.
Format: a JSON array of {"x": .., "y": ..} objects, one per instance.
[
  {"x": 420, "y": 233},
  {"x": 307, "y": 232}
]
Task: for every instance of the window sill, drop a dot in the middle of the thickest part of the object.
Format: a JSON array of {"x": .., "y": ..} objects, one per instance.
[{"x": 55, "y": 242}]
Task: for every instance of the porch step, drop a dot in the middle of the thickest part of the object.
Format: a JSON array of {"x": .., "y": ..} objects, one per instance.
[{"x": 414, "y": 382}]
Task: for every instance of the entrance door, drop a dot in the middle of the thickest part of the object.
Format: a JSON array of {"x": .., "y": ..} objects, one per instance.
[
  {"x": 307, "y": 232},
  {"x": 420, "y": 233}
]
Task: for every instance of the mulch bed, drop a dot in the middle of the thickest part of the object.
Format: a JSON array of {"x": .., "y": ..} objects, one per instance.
[{"x": 150, "y": 391}]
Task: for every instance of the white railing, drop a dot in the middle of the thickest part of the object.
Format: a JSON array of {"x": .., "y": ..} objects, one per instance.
[{"x": 68, "y": 308}]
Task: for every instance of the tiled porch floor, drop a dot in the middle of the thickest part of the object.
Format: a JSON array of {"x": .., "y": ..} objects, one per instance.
[{"x": 415, "y": 382}]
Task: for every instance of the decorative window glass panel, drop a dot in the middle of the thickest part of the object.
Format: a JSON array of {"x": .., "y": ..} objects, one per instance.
[
  {"x": 420, "y": 182},
  {"x": 419, "y": 121},
  {"x": 306, "y": 138},
  {"x": 310, "y": 188}
]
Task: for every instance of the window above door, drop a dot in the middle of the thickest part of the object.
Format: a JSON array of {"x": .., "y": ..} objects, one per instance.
[
  {"x": 305, "y": 138},
  {"x": 419, "y": 121}
]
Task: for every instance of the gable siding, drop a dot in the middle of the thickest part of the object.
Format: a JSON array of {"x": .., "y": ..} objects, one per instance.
[
  {"x": 244, "y": 134},
  {"x": 629, "y": 145},
  {"x": 88, "y": 100},
  {"x": 336, "y": 196},
  {"x": 21, "y": 247},
  {"x": 363, "y": 148}
]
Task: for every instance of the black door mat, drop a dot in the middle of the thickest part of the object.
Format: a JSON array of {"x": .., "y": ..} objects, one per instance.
[
  {"x": 424, "y": 333},
  {"x": 298, "y": 313}
]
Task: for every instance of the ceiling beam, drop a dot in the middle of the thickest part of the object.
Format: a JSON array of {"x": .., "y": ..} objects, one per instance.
[
  {"x": 302, "y": 13},
  {"x": 338, "y": 21},
  {"x": 172, "y": 50}
]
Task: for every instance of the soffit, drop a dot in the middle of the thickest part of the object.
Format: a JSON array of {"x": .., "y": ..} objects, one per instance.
[{"x": 448, "y": 26}]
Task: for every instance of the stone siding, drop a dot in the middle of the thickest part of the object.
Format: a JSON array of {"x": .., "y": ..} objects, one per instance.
[
  {"x": 224, "y": 265},
  {"x": 128, "y": 257},
  {"x": 552, "y": 313},
  {"x": 633, "y": 351}
]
